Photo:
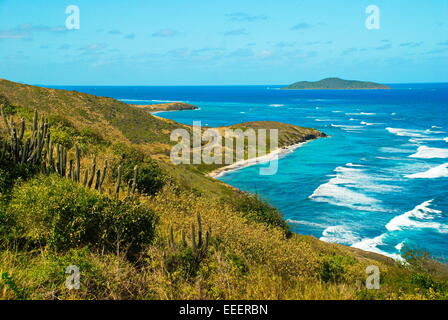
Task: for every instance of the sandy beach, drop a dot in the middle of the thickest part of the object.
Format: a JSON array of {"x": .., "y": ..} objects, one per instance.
[{"x": 276, "y": 154}]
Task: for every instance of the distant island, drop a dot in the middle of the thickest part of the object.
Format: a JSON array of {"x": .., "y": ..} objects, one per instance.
[
  {"x": 170, "y": 106},
  {"x": 336, "y": 84}
]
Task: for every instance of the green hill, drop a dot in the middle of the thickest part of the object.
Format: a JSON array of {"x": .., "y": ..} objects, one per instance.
[
  {"x": 335, "y": 84},
  {"x": 82, "y": 185}
]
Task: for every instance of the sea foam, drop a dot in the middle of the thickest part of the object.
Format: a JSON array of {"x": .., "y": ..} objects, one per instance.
[
  {"x": 346, "y": 189},
  {"x": 437, "y": 172},
  {"x": 419, "y": 218},
  {"x": 407, "y": 132},
  {"x": 339, "y": 234},
  {"x": 425, "y": 152}
]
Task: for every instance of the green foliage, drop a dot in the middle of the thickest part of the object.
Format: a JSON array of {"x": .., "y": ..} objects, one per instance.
[
  {"x": 151, "y": 178},
  {"x": 256, "y": 209},
  {"x": 8, "y": 109},
  {"x": 60, "y": 213},
  {"x": 10, "y": 173},
  {"x": 64, "y": 133},
  {"x": 239, "y": 264},
  {"x": 8, "y": 282},
  {"x": 334, "y": 267},
  {"x": 63, "y": 136}
]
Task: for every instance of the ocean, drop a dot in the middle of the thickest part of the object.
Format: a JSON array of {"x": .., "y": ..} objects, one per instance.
[{"x": 379, "y": 182}]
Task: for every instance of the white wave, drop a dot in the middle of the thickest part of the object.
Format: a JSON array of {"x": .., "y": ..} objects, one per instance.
[
  {"x": 418, "y": 218},
  {"x": 391, "y": 158},
  {"x": 339, "y": 234},
  {"x": 395, "y": 150},
  {"x": 431, "y": 131},
  {"x": 242, "y": 112},
  {"x": 306, "y": 223},
  {"x": 346, "y": 127},
  {"x": 399, "y": 246},
  {"x": 325, "y": 120},
  {"x": 344, "y": 190},
  {"x": 361, "y": 114},
  {"x": 168, "y": 101},
  {"x": 336, "y": 111},
  {"x": 135, "y": 100},
  {"x": 353, "y": 165},
  {"x": 351, "y": 119},
  {"x": 425, "y": 152},
  {"x": 407, "y": 132},
  {"x": 446, "y": 139},
  {"x": 276, "y": 105},
  {"x": 436, "y": 127},
  {"x": 419, "y": 140},
  {"x": 372, "y": 244},
  {"x": 437, "y": 172},
  {"x": 368, "y": 124}
]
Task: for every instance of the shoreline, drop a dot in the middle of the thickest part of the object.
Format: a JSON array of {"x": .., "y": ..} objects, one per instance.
[
  {"x": 254, "y": 161},
  {"x": 159, "y": 111}
]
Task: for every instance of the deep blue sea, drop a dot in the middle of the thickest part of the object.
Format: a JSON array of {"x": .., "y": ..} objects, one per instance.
[{"x": 380, "y": 181}]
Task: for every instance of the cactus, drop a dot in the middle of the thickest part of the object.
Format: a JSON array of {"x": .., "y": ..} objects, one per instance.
[
  {"x": 86, "y": 176},
  {"x": 35, "y": 119},
  {"x": 22, "y": 129},
  {"x": 98, "y": 179},
  {"x": 199, "y": 246},
  {"x": 70, "y": 170},
  {"x": 78, "y": 165},
  {"x": 89, "y": 184},
  {"x": 103, "y": 177},
  {"x": 134, "y": 180},
  {"x": 118, "y": 184},
  {"x": 171, "y": 241}
]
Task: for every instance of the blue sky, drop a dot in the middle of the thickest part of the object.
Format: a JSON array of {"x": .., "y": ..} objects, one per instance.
[{"x": 204, "y": 42}]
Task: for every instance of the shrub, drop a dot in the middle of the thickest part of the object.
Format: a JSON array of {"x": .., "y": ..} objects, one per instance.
[
  {"x": 8, "y": 109},
  {"x": 334, "y": 267},
  {"x": 57, "y": 212},
  {"x": 256, "y": 209},
  {"x": 151, "y": 178},
  {"x": 63, "y": 135}
]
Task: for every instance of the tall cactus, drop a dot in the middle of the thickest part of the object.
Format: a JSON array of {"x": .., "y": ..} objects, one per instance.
[
  {"x": 199, "y": 245},
  {"x": 134, "y": 180},
  {"x": 118, "y": 184},
  {"x": 78, "y": 165},
  {"x": 89, "y": 184},
  {"x": 103, "y": 177}
]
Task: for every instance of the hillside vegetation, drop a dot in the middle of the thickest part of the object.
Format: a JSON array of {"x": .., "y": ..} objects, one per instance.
[
  {"x": 82, "y": 184},
  {"x": 335, "y": 84}
]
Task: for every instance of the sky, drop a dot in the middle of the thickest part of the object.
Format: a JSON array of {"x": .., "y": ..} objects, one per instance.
[{"x": 232, "y": 42}]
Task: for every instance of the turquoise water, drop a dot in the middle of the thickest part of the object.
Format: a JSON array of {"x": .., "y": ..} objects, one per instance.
[{"x": 377, "y": 183}]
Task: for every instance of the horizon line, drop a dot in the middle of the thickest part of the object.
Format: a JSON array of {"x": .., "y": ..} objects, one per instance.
[{"x": 204, "y": 85}]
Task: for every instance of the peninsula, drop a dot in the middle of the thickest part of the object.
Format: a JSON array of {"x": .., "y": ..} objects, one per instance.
[
  {"x": 336, "y": 84},
  {"x": 170, "y": 106}
]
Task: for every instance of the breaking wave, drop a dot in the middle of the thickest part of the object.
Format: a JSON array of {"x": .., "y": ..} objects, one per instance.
[{"x": 433, "y": 173}]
